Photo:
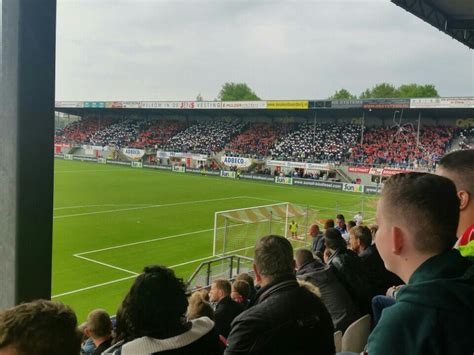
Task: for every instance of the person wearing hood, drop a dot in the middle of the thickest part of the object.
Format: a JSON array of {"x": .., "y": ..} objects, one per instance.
[{"x": 418, "y": 217}]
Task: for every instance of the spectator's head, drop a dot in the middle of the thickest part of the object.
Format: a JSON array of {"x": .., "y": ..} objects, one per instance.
[
  {"x": 350, "y": 225},
  {"x": 417, "y": 216},
  {"x": 314, "y": 230},
  {"x": 154, "y": 306},
  {"x": 99, "y": 325},
  {"x": 199, "y": 307},
  {"x": 40, "y": 328},
  {"x": 373, "y": 230},
  {"x": 219, "y": 289},
  {"x": 240, "y": 291},
  {"x": 459, "y": 167},
  {"x": 273, "y": 258},
  {"x": 340, "y": 221},
  {"x": 329, "y": 224},
  {"x": 360, "y": 238},
  {"x": 334, "y": 240},
  {"x": 303, "y": 257},
  {"x": 246, "y": 277}
]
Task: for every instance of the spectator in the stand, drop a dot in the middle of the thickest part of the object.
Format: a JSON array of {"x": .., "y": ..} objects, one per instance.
[
  {"x": 350, "y": 225},
  {"x": 241, "y": 292},
  {"x": 199, "y": 306},
  {"x": 99, "y": 327},
  {"x": 418, "y": 216},
  {"x": 151, "y": 319},
  {"x": 380, "y": 279},
  {"x": 225, "y": 308},
  {"x": 341, "y": 226},
  {"x": 349, "y": 269},
  {"x": 333, "y": 294},
  {"x": 246, "y": 277},
  {"x": 39, "y": 328},
  {"x": 459, "y": 167},
  {"x": 285, "y": 318},
  {"x": 321, "y": 244},
  {"x": 87, "y": 344},
  {"x": 316, "y": 236}
]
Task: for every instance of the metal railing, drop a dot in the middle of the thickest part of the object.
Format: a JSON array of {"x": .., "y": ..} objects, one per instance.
[{"x": 226, "y": 267}]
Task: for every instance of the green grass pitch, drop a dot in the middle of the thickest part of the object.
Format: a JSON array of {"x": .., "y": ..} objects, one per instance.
[{"x": 110, "y": 221}]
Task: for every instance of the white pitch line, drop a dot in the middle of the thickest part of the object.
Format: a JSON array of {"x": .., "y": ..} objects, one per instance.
[
  {"x": 104, "y": 264},
  {"x": 80, "y": 171},
  {"x": 121, "y": 279},
  {"x": 145, "y": 241},
  {"x": 105, "y": 205},
  {"x": 146, "y": 207},
  {"x": 93, "y": 286}
]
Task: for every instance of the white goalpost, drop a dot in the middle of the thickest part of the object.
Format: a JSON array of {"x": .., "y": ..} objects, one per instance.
[{"x": 237, "y": 230}]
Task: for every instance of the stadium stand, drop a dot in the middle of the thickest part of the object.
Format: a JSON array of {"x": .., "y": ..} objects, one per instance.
[
  {"x": 316, "y": 143},
  {"x": 158, "y": 133},
  {"x": 204, "y": 137},
  {"x": 303, "y": 142},
  {"x": 256, "y": 140},
  {"x": 121, "y": 134},
  {"x": 398, "y": 148},
  {"x": 79, "y": 132}
]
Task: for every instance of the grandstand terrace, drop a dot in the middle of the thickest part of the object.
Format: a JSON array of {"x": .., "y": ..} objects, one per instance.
[{"x": 399, "y": 133}]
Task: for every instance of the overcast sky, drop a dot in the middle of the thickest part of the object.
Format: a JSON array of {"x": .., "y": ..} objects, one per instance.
[{"x": 173, "y": 50}]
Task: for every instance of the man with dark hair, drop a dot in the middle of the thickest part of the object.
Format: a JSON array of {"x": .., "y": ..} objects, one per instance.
[
  {"x": 380, "y": 279},
  {"x": 333, "y": 294},
  {"x": 241, "y": 292},
  {"x": 40, "y": 328},
  {"x": 459, "y": 167},
  {"x": 348, "y": 268},
  {"x": 246, "y": 277},
  {"x": 418, "y": 217},
  {"x": 341, "y": 226},
  {"x": 226, "y": 309},
  {"x": 99, "y": 328},
  {"x": 284, "y": 318}
]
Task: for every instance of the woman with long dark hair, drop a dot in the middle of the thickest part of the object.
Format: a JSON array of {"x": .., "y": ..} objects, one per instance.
[{"x": 151, "y": 319}]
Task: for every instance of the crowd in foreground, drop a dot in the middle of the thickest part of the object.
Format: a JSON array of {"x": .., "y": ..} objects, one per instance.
[{"x": 424, "y": 246}]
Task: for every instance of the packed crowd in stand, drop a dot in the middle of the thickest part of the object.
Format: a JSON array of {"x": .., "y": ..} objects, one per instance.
[
  {"x": 317, "y": 143},
  {"x": 205, "y": 137},
  {"x": 403, "y": 286},
  {"x": 121, "y": 134},
  {"x": 303, "y": 142},
  {"x": 257, "y": 139},
  {"x": 398, "y": 147},
  {"x": 79, "y": 132},
  {"x": 158, "y": 133}
]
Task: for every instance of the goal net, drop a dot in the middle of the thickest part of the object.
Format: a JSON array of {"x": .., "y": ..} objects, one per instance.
[{"x": 236, "y": 231}]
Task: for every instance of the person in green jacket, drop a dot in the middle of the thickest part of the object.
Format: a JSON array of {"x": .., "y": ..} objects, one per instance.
[{"x": 418, "y": 217}]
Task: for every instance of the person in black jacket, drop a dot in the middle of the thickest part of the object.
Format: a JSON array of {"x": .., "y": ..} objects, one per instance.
[
  {"x": 285, "y": 318},
  {"x": 226, "y": 309},
  {"x": 348, "y": 268},
  {"x": 380, "y": 279},
  {"x": 333, "y": 294}
]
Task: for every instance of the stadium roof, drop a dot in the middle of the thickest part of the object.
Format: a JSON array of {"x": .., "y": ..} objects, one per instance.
[
  {"x": 440, "y": 107},
  {"x": 453, "y": 17}
]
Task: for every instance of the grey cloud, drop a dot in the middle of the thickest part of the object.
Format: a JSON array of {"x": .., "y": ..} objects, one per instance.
[{"x": 163, "y": 50}]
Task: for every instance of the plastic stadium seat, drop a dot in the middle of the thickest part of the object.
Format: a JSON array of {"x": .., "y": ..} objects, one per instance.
[{"x": 356, "y": 335}]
